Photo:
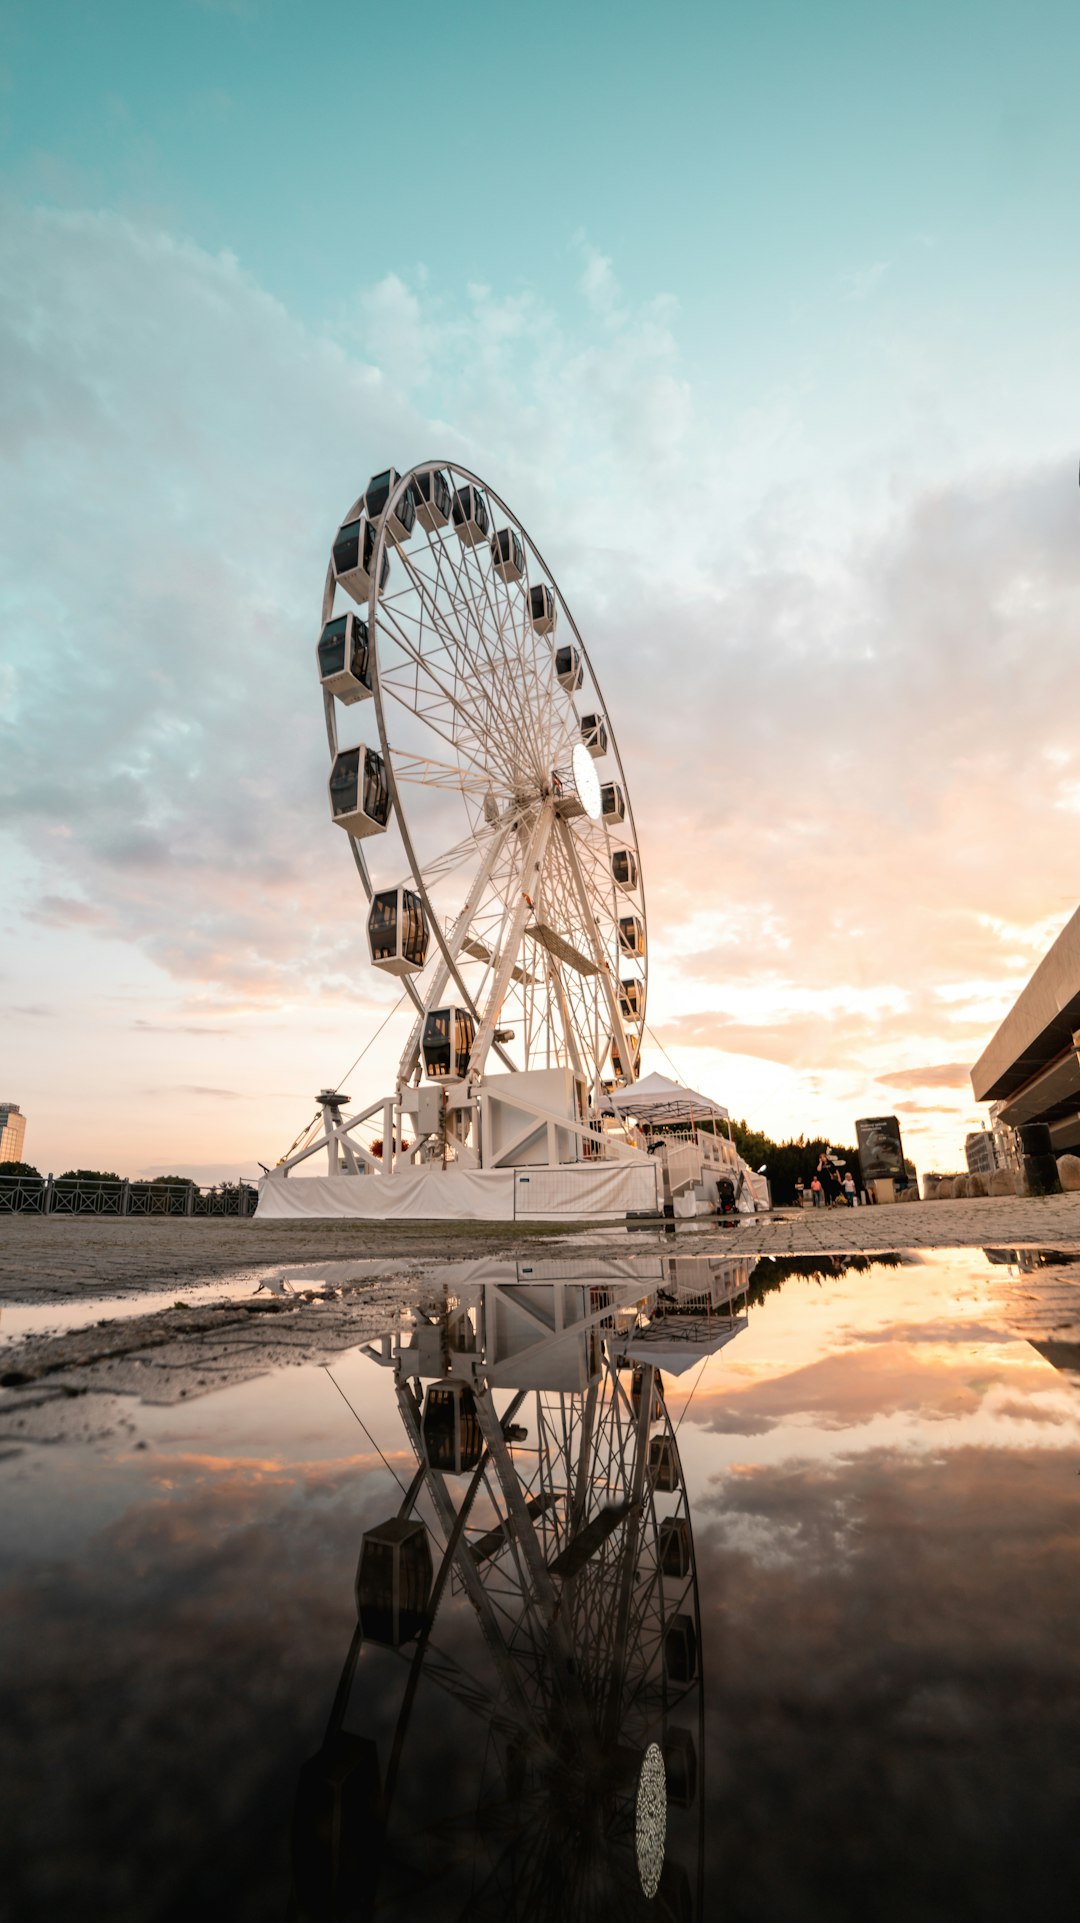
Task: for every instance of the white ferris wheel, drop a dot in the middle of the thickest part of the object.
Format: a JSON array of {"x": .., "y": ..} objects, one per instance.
[{"x": 475, "y": 770}]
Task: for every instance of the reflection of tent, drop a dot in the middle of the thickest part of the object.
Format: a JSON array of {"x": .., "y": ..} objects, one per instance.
[
  {"x": 658, "y": 1099},
  {"x": 675, "y": 1346}
]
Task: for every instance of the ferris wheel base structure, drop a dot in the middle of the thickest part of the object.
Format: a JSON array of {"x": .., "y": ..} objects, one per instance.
[
  {"x": 602, "y": 1193},
  {"x": 529, "y": 1155}
]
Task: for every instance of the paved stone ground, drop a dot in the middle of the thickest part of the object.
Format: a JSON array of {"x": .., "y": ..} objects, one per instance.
[
  {"x": 55, "y": 1258},
  {"x": 999, "y": 1221},
  {"x": 50, "y": 1258}
]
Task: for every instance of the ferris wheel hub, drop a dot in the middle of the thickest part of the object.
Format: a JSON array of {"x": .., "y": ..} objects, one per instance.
[{"x": 586, "y": 781}]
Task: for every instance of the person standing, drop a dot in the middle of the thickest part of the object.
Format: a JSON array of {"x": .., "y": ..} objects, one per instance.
[
  {"x": 849, "y": 1188},
  {"x": 817, "y": 1193}
]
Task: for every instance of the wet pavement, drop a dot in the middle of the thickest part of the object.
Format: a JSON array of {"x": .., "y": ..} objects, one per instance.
[
  {"x": 55, "y": 1257},
  {"x": 654, "y": 1580}
]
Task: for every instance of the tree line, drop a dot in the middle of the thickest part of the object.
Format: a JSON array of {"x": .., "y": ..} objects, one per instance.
[
  {"x": 784, "y": 1162},
  {"x": 83, "y": 1177}
]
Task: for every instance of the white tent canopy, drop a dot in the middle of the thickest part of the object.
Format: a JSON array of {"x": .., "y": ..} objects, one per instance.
[{"x": 658, "y": 1099}]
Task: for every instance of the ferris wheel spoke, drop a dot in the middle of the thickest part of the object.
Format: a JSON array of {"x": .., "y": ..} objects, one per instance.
[
  {"x": 528, "y": 743},
  {"x": 426, "y": 772},
  {"x": 473, "y": 712},
  {"x": 461, "y": 596},
  {"x": 468, "y": 732},
  {"x": 443, "y": 664}
]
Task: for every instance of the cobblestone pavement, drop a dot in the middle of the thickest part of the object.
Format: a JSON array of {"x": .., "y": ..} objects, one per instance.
[
  {"x": 44, "y": 1259},
  {"x": 53, "y": 1259},
  {"x": 1000, "y": 1221}
]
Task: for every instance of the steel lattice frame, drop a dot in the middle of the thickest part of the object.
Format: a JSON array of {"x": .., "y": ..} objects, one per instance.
[{"x": 477, "y": 737}]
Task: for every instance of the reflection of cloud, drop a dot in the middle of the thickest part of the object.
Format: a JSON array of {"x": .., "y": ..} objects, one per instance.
[
  {"x": 198, "y": 1638},
  {"x": 923, "y": 1682},
  {"x": 910, "y": 1370},
  {"x": 842, "y": 1391}
]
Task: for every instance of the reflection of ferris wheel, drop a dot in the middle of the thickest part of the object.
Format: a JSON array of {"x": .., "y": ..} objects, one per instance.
[
  {"x": 538, "y": 1585},
  {"x": 515, "y": 917}
]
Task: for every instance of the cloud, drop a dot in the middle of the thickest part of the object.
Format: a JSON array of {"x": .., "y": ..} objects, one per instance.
[
  {"x": 64, "y": 911},
  {"x": 945, "y": 1075},
  {"x": 861, "y": 282},
  {"x": 177, "y": 1028}
]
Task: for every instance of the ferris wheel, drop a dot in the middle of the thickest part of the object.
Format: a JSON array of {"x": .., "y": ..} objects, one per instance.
[{"x": 475, "y": 770}]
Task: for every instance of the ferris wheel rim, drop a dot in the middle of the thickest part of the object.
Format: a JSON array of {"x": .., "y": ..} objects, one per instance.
[
  {"x": 584, "y": 1014},
  {"x": 383, "y": 543}
]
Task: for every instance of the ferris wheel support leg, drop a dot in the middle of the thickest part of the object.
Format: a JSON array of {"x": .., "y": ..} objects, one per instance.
[
  {"x": 338, "y": 1144},
  {"x": 599, "y": 957},
  {"x": 581, "y": 1484},
  {"x": 554, "y": 975},
  {"x": 466, "y": 1566},
  {"x": 630, "y": 1543},
  {"x": 511, "y": 938},
  {"x": 451, "y": 950},
  {"x": 564, "y": 1667}
]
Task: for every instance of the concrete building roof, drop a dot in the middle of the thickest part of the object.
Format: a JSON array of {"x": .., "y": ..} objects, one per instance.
[{"x": 1036, "y": 1038}]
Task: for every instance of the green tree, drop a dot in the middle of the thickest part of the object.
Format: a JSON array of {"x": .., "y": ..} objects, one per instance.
[
  {"x": 73, "y": 1175},
  {"x": 785, "y": 1161},
  {"x": 753, "y": 1145},
  {"x": 12, "y": 1171}
]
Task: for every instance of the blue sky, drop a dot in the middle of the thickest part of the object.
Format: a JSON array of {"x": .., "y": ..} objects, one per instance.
[
  {"x": 756, "y": 162},
  {"x": 764, "y": 319}
]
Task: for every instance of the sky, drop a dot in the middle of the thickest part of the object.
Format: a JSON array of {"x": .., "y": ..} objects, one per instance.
[{"x": 766, "y": 324}]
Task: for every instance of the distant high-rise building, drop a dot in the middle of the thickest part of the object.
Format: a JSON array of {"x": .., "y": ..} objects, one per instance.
[
  {"x": 12, "y": 1132},
  {"x": 982, "y": 1152}
]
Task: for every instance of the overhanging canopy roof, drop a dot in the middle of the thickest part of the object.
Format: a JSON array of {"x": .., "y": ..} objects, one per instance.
[{"x": 658, "y": 1099}]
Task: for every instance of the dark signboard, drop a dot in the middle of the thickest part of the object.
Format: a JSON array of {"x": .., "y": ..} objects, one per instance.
[{"x": 881, "y": 1152}]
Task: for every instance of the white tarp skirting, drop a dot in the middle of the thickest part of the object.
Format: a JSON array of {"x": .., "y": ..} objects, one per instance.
[
  {"x": 415, "y": 1195},
  {"x": 599, "y": 1190},
  {"x": 593, "y": 1189}
]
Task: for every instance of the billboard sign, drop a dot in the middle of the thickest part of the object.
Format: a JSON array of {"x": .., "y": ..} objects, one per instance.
[{"x": 881, "y": 1152}]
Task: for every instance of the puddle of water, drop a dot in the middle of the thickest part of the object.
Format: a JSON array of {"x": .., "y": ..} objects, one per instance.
[
  {"x": 645, "y": 1585},
  {"x": 57, "y": 1318}
]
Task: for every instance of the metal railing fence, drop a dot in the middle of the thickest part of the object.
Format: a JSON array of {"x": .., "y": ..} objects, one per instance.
[{"x": 44, "y": 1195}]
